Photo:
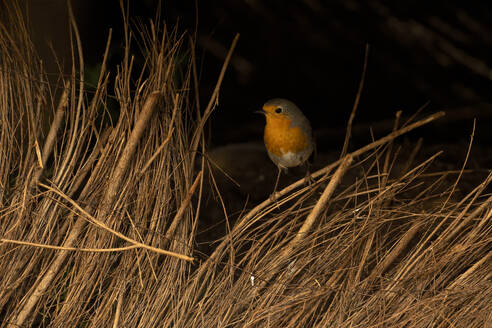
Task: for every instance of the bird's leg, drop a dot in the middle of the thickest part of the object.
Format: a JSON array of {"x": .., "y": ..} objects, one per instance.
[
  {"x": 274, "y": 195},
  {"x": 308, "y": 179}
]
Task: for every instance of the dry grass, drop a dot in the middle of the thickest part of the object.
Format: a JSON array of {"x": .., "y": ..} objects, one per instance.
[{"x": 98, "y": 220}]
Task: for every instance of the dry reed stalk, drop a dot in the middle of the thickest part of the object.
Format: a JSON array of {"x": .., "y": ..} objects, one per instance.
[
  {"x": 55, "y": 126},
  {"x": 169, "y": 134},
  {"x": 184, "y": 205},
  {"x": 214, "y": 98},
  {"x": 116, "y": 180},
  {"x": 348, "y": 133}
]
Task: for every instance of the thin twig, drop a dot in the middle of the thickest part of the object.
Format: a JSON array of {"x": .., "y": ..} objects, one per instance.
[
  {"x": 213, "y": 100},
  {"x": 169, "y": 135},
  {"x": 356, "y": 103},
  {"x": 55, "y": 126},
  {"x": 395, "y": 252},
  {"x": 463, "y": 166},
  {"x": 320, "y": 204},
  {"x": 128, "y": 152},
  {"x": 117, "y": 314},
  {"x": 184, "y": 205},
  {"x": 73, "y": 249}
]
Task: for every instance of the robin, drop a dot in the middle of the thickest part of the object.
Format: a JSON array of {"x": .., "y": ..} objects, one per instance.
[{"x": 288, "y": 137}]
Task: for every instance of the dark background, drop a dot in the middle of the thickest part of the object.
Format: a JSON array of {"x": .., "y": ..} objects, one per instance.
[{"x": 312, "y": 52}]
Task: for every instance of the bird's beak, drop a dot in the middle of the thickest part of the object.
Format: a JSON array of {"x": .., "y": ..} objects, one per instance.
[{"x": 260, "y": 112}]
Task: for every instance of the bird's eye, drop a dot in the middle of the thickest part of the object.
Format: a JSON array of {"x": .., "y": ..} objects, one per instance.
[{"x": 278, "y": 110}]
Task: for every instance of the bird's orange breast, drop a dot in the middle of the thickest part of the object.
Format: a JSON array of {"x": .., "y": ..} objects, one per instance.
[{"x": 280, "y": 137}]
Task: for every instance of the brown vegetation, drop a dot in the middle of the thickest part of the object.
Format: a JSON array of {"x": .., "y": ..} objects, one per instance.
[{"x": 98, "y": 219}]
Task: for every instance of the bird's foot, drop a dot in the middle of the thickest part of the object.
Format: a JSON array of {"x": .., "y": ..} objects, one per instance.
[
  {"x": 308, "y": 179},
  {"x": 274, "y": 196}
]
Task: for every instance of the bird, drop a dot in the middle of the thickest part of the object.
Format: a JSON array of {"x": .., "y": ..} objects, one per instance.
[{"x": 288, "y": 136}]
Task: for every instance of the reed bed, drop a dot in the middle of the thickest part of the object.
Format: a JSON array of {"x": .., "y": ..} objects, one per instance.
[{"x": 98, "y": 218}]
